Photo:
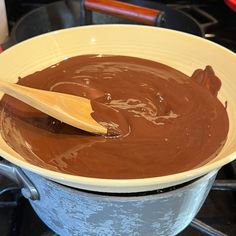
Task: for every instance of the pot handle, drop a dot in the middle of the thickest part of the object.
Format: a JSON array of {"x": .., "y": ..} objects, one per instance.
[
  {"x": 14, "y": 173},
  {"x": 127, "y": 11}
]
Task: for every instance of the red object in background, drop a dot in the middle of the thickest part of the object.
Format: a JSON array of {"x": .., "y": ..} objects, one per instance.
[
  {"x": 231, "y": 4},
  {"x": 1, "y": 49}
]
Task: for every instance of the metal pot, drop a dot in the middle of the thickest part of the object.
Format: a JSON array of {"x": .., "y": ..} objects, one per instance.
[
  {"x": 71, "y": 13},
  {"x": 69, "y": 211}
]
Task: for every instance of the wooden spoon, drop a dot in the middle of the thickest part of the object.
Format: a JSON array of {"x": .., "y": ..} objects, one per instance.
[{"x": 73, "y": 110}]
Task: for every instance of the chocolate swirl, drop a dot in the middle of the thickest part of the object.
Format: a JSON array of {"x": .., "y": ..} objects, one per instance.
[{"x": 168, "y": 122}]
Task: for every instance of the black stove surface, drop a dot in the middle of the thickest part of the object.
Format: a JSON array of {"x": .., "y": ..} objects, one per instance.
[{"x": 17, "y": 218}]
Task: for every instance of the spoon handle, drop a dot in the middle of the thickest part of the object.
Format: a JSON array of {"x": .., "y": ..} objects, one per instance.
[{"x": 70, "y": 109}]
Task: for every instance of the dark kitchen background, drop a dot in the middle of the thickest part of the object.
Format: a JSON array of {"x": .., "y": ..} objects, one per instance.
[{"x": 217, "y": 217}]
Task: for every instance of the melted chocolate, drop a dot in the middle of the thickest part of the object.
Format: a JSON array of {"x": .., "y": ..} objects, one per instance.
[{"x": 168, "y": 122}]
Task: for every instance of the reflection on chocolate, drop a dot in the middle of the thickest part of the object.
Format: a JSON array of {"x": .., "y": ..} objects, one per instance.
[{"x": 168, "y": 122}]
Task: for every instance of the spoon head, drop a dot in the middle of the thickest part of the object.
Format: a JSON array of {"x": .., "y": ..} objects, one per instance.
[{"x": 111, "y": 118}]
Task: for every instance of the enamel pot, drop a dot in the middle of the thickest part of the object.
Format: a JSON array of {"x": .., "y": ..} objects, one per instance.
[{"x": 73, "y": 212}]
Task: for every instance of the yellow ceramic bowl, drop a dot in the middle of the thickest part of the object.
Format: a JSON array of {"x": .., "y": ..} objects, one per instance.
[{"x": 179, "y": 50}]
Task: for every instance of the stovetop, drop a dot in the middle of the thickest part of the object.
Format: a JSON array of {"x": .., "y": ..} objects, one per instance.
[{"x": 17, "y": 218}]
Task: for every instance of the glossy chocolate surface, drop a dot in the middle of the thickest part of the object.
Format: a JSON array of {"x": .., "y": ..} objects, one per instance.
[{"x": 167, "y": 122}]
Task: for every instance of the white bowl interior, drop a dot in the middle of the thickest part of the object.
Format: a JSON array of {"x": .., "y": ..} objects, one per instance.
[{"x": 179, "y": 50}]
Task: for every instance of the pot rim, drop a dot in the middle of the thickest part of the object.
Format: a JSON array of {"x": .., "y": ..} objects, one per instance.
[{"x": 149, "y": 195}]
